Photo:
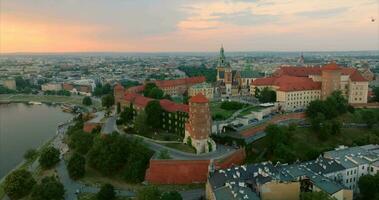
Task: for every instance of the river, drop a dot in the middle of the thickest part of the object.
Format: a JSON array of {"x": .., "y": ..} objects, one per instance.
[{"x": 23, "y": 127}]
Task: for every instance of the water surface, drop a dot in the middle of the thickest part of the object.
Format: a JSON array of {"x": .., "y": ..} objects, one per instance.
[{"x": 23, "y": 127}]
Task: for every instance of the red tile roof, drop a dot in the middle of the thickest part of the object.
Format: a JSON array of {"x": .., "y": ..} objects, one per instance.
[
  {"x": 170, "y": 106},
  {"x": 118, "y": 87},
  {"x": 136, "y": 89},
  {"x": 331, "y": 66},
  {"x": 354, "y": 74},
  {"x": 178, "y": 82},
  {"x": 289, "y": 83},
  {"x": 357, "y": 77},
  {"x": 199, "y": 98}
]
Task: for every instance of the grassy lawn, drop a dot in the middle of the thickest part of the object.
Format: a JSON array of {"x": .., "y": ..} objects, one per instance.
[
  {"x": 217, "y": 110},
  {"x": 181, "y": 147},
  {"x": 305, "y": 143},
  {"x": 77, "y": 100}
]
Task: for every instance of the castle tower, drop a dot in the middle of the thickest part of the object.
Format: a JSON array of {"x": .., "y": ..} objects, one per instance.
[
  {"x": 224, "y": 72},
  {"x": 119, "y": 92},
  {"x": 331, "y": 79},
  {"x": 221, "y": 65},
  {"x": 199, "y": 125}
]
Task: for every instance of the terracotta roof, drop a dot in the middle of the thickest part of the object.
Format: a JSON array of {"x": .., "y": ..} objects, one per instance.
[
  {"x": 331, "y": 66},
  {"x": 130, "y": 96},
  {"x": 182, "y": 81},
  {"x": 170, "y": 106},
  {"x": 141, "y": 101},
  {"x": 289, "y": 83},
  {"x": 198, "y": 98},
  {"x": 136, "y": 89},
  {"x": 298, "y": 71},
  {"x": 357, "y": 77}
]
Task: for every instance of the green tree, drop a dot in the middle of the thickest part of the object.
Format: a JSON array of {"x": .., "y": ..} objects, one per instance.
[
  {"x": 231, "y": 105},
  {"x": 18, "y": 184},
  {"x": 148, "y": 193},
  {"x": 30, "y": 154},
  {"x": 275, "y": 136},
  {"x": 316, "y": 121},
  {"x": 173, "y": 195},
  {"x": 369, "y": 117},
  {"x": 106, "y": 192},
  {"x": 108, "y": 154},
  {"x": 87, "y": 101},
  {"x": 316, "y": 196},
  {"x": 49, "y": 188},
  {"x": 267, "y": 95},
  {"x": 49, "y": 157},
  {"x": 376, "y": 94},
  {"x": 369, "y": 186},
  {"x": 81, "y": 141},
  {"x": 76, "y": 166},
  {"x": 257, "y": 92},
  {"x": 127, "y": 115},
  {"x": 156, "y": 93},
  {"x": 107, "y": 101},
  {"x": 148, "y": 88},
  {"x": 154, "y": 114},
  {"x": 140, "y": 124}
]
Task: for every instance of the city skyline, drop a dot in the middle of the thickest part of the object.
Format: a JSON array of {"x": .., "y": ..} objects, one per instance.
[{"x": 188, "y": 26}]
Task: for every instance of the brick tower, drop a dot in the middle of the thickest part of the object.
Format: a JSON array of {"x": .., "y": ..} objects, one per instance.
[
  {"x": 199, "y": 125},
  {"x": 331, "y": 79}
]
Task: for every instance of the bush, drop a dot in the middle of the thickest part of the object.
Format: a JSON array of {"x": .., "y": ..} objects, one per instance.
[
  {"x": 30, "y": 154},
  {"x": 49, "y": 157},
  {"x": 81, "y": 141},
  {"x": 148, "y": 193},
  {"x": 18, "y": 184},
  {"x": 106, "y": 192},
  {"x": 76, "y": 166},
  {"x": 49, "y": 188},
  {"x": 87, "y": 101},
  {"x": 173, "y": 195}
]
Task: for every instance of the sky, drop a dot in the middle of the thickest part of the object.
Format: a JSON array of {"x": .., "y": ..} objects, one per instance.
[{"x": 188, "y": 25}]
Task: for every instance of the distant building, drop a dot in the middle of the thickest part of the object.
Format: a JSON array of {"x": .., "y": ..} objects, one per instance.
[
  {"x": 233, "y": 83},
  {"x": 51, "y": 87},
  {"x": 205, "y": 88},
  {"x": 296, "y": 87},
  {"x": 199, "y": 125},
  {"x": 178, "y": 86},
  {"x": 83, "y": 87},
  {"x": 10, "y": 84}
]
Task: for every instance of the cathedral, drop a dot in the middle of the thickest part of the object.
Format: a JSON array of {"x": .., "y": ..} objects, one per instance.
[{"x": 233, "y": 82}]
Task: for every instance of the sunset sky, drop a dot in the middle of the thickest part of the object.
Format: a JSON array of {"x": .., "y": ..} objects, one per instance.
[{"x": 192, "y": 25}]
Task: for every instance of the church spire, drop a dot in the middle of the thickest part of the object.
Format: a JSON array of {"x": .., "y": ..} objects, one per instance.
[{"x": 221, "y": 61}]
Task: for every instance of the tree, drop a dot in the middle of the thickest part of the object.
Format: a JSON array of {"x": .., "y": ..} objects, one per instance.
[
  {"x": 369, "y": 186},
  {"x": 106, "y": 192},
  {"x": 49, "y": 157},
  {"x": 49, "y": 188},
  {"x": 267, "y": 95},
  {"x": 316, "y": 196},
  {"x": 156, "y": 93},
  {"x": 18, "y": 184},
  {"x": 154, "y": 114},
  {"x": 368, "y": 116},
  {"x": 127, "y": 115},
  {"x": 107, "y": 101},
  {"x": 81, "y": 141},
  {"x": 257, "y": 92},
  {"x": 275, "y": 136},
  {"x": 148, "y": 193},
  {"x": 376, "y": 94},
  {"x": 76, "y": 166},
  {"x": 87, "y": 101},
  {"x": 231, "y": 105},
  {"x": 108, "y": 154},
  {"x": 30, "y": 154},
  {"x": 148, "y": 88},
  {"x": 173, "y": 195},
  {"x": 140, "y": 124},
  {"x": 316, "y": 121}
]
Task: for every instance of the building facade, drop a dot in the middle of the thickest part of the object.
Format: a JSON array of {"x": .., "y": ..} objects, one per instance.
[
  {"x": 296, "y": 87},
  {"x": 51, "y": 87},
  {"x": 10, "y": 84},
  {"x": 205, "y": 88}
]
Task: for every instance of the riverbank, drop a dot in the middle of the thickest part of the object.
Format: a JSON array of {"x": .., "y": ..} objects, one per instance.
[{"x": 48, "y": 99}]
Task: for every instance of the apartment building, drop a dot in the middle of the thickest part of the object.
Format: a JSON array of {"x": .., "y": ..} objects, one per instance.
[{"x": 204, "y": 88}]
